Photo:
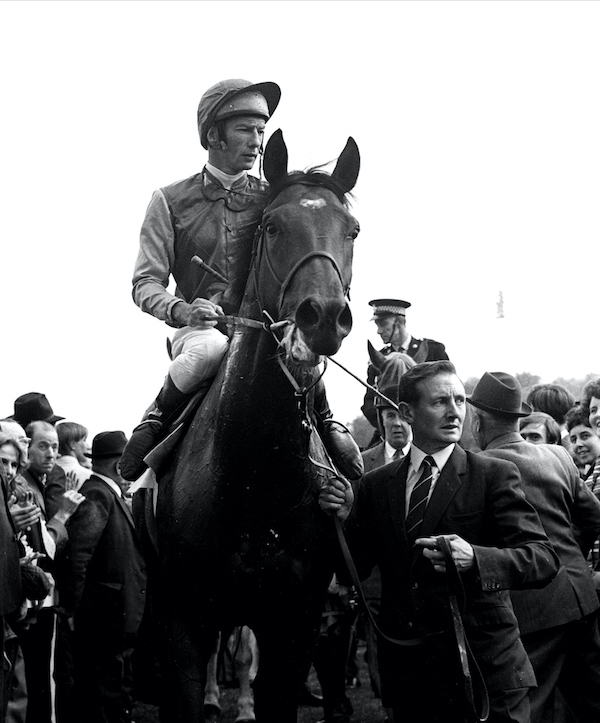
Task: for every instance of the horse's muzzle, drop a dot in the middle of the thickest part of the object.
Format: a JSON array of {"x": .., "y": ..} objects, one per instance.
[{"x": 324, "y": 324}]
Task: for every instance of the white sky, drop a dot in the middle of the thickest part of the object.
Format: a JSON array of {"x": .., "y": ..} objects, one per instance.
[{"x": 478, "y": 125}]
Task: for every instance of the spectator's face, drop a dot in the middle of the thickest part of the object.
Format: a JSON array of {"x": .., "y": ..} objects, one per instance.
[
  {"x": 535, "y": 433},
  {"x": 9, "y": 461},
  {"x": 43, "y": 450},
  {"x": 396, "y": 430},
  {"x": 585, "y": 444},
  {"x": 15, "y": 431},
  {"x": 79, "y": 449},
  {"x": 594, "y": 417},
  {"x": 438, "y": 416}
]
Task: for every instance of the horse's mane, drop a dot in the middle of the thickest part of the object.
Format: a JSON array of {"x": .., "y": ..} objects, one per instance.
[{"x": 311, "y": 177}]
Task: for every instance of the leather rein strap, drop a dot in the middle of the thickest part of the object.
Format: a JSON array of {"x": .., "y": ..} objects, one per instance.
[{"x": 455, "y": 588}]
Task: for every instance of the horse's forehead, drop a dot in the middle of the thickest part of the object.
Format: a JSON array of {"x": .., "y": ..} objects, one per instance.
[{"x": 308, "y": 198}]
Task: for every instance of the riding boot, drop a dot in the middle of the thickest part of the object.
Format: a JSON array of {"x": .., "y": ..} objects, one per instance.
[
  {"x": 148, "y": 433},
  {"x": 338, "y": 440}
]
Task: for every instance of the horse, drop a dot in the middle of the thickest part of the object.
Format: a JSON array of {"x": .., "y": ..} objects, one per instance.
[
  {"x": 242, "y": 647},
  {"x": 390, "y": 367},
  {"x": 241, "y": 537}
]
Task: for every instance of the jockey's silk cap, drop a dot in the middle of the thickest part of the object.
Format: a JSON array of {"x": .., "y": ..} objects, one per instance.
[
  {"x": 388, "y": 307},
  {"x": 33, "y": 407},
  {"x": 498, "y": 392},
  {"x": 107, "y": 444},
  {"x": 233, "y": 97}
]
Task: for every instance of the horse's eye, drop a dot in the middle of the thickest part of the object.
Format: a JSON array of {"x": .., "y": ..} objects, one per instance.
[
  {"x": 354, "y": 233},
  {"x": 271, "y": 229}
]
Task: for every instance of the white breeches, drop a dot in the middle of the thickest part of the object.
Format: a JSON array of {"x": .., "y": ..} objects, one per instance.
[{"x": 197, "y": 354}]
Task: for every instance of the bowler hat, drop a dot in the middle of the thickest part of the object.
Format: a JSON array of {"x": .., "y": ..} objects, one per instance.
[
  {"x": 500, "y": 393},
  {"x": 33, "y": 407},
  {"x": 388, "y": 307},
  {"x": 107, "y": 444},
  {"x": 213, "y": 103}
]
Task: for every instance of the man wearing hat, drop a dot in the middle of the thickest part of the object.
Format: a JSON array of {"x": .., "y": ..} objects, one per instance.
[
  {"x": 103, "y": 591},
  {"x": 390, "y": 317},
  {"x": 33, "y": 407},
  {"x": 214, "y": 215},
  {"x": 558, "y": 623},
  {"x": 404, "y": 512}
]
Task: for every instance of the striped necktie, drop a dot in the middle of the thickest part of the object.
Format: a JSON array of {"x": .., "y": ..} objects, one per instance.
[{"x": 418, "y": 500}]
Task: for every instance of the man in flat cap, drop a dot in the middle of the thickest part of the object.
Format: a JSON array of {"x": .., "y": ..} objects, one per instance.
[
  {"x": 103, "y": 591},
  {"x": 212, "y": 215},
  {"x": 559, "y": 622},
  {"x": 390, "y": 317}
]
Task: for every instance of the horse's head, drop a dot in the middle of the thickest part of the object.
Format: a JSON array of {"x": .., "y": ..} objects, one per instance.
[
  {"x": 389, "y": 367},
  {"x": 303, "y": 264}
]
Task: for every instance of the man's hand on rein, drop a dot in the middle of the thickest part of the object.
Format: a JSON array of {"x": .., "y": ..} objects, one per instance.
[
  {"x": 462, "y": 552},
  {"x": 336, "y": 498},
  {"x": 194, "y": 314}
]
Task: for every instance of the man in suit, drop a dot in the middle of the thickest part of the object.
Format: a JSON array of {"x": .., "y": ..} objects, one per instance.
[
  {"x": 396, "y": 435},
  {"x": 558, "y": 623},
  {"x": 46, "y": 534},
  {"x": 393, "y": 429},
  {"x": 103, "y": 593},
  {"x": 390, "y": 317},
  {"x": 496, "y": 541}
]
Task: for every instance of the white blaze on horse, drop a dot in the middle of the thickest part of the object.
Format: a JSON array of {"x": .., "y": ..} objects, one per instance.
[{"x": 241, "y": 536}]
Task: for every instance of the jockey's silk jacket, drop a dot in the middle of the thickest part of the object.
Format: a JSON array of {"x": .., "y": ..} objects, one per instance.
[{"x": 197, "y": 216}]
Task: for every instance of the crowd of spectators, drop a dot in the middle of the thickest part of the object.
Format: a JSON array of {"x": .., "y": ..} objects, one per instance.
[{"x": 54, "y": 490}]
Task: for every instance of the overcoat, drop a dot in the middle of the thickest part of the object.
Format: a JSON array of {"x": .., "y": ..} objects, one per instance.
[{"x": 103, "y": 573}]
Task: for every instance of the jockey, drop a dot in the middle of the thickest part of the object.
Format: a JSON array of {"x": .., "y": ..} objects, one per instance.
[{"x": 214, "y": 215}]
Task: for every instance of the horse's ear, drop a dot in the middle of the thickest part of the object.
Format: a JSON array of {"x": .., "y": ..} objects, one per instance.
[
  {"x": 348, "y": 166},
  {"x": 275, "y": 160},
  {"x": 376, "y": 357}
]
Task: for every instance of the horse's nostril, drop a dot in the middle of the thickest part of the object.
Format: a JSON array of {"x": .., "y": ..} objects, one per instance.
[
  {"x": 345, "y": 318},
  {"x": 307, "y": 315}
]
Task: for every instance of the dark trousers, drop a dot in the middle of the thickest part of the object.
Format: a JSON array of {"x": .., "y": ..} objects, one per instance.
[
  {"x": 424, "y": 684},
  {"x": 103, "y": 679},
  {"x": 566, "y": 657},
  {"x": 37, "y": 643}
]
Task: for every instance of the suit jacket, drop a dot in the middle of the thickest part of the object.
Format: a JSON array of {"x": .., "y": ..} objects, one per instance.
[
  {"x": 481, "y": 500},
  {"x": 374, "y": 457},
  {"x": 103, "y": 574},
  {"x": 28, "y": 481},
  {"x": 552, "y": 484}
]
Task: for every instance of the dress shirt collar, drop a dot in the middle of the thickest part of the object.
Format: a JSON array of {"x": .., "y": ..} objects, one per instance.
[
  {"x": 417, "y": 456},
  {"x": 391, "y": 451},
  {"x": 111, "y": 483}
]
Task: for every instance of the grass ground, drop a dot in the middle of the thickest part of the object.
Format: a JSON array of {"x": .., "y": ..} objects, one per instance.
[{"x": 367, "y": 709}]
